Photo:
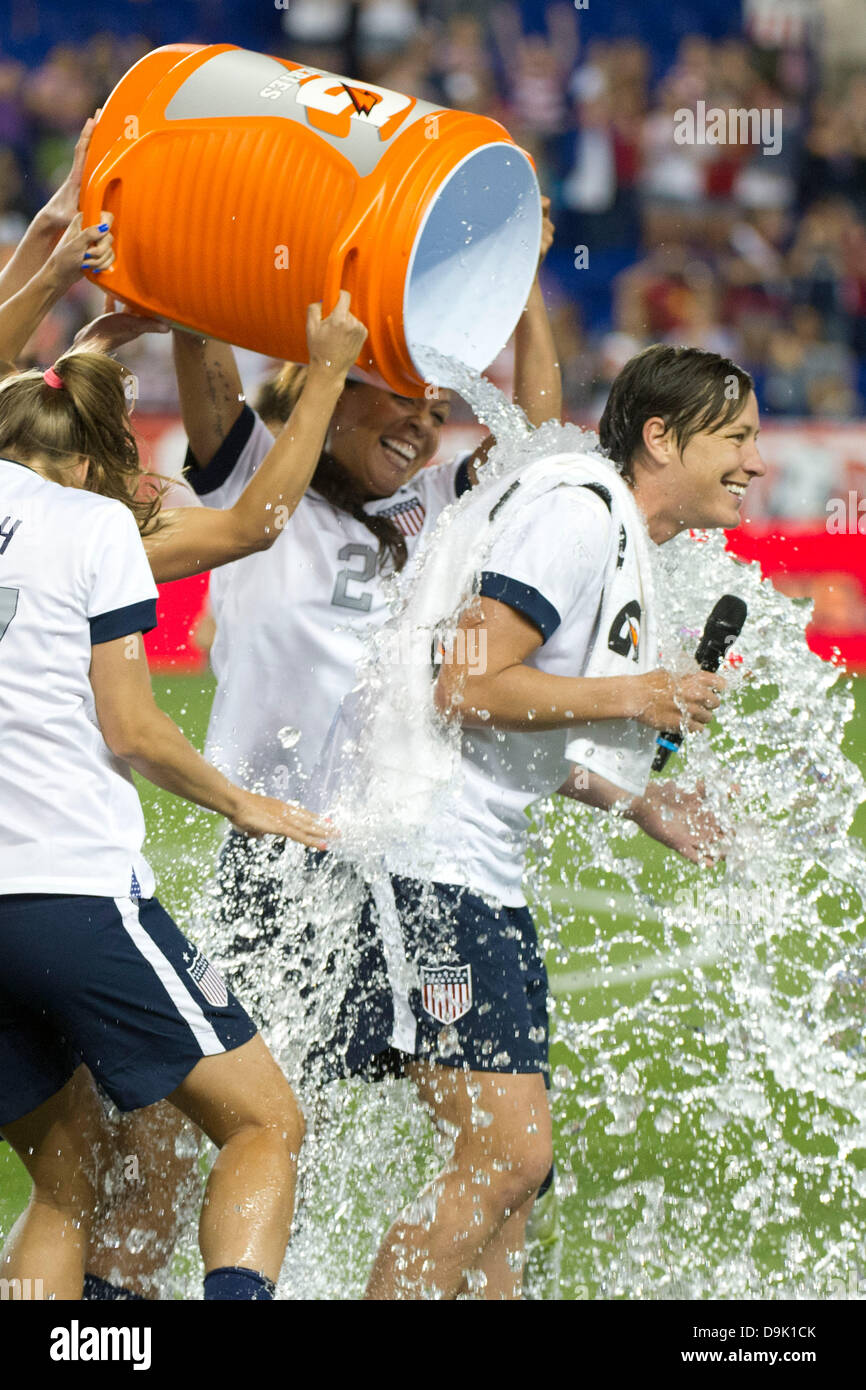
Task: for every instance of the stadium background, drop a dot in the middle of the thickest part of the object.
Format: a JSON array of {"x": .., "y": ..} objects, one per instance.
[{"x": 761, "y": 258}]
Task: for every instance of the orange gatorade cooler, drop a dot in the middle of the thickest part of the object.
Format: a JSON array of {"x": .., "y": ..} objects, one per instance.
[{"x": 245, "y": 187}]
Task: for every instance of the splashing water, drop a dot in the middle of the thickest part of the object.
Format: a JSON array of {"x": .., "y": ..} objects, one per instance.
[
  {"x": 709, "y": 1080},
  {"x": 505, "y": 421},
  {"x": 758, "y": 1182}
]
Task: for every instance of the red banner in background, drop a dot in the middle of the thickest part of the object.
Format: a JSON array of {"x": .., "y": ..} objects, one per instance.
[
  {"x": 801, "y": 526},
  {"x": 829, "y": 569},
  {"x": 171, "y": 645}
]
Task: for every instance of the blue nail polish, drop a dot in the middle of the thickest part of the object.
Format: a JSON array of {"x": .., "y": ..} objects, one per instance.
[
  {"x": 103, "y": 227},
  {"x": 97, "y": 272},
  {"x": 85, "y": 267}
]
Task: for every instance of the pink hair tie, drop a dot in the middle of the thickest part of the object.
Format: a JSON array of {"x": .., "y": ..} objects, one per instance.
[{"x": 52, "y": 379}]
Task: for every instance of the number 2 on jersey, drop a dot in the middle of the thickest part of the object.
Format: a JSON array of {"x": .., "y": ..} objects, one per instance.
[
  {"x": 8, "y": 608},
  {"x": 341, "y": 597}
]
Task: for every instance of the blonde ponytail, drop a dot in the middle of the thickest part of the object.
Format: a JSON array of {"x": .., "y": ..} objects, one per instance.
[{"x": 86, "y": 416}]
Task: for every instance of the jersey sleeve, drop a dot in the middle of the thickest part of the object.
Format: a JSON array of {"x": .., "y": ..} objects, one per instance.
[
  {"x": 121, "y": 593},
  {"x": 442, "y": 483},
  {"x": 549, "y": 557},
  {"x": 221, "y": 483}
]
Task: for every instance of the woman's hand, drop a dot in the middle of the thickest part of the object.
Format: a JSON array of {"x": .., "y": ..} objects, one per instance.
[
  {"x": 334, "y": 342},
  {"x": 81, "y": 248},
  {"x": 114, "y": 329},
  {"x": 62, "y": 206},
  {"x": 668, "y": 702},
  {"x": 681, "y": 820},
  {"x": 255, "y": 816}
]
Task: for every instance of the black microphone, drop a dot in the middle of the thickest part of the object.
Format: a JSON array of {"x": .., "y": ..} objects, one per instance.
[{"x": 724, "y": 626}]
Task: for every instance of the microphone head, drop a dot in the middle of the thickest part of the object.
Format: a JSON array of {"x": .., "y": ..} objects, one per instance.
[
  {"x": 723, "y": 627},
  {"x": 730, "y": 611}
]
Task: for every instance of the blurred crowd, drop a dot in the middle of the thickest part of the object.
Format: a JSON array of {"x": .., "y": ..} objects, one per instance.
[{"x": 759, "y": 256}]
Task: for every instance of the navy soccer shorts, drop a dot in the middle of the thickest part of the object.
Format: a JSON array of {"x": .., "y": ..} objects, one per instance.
[
  {"x": 435, "y": 971},
  {"x": 443, "y": 976},
  {"x": 111, "y": 982}
]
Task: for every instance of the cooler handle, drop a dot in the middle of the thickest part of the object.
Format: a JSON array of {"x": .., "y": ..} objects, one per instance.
[
  {"x": 336, "y": 265},
  {"x": 97, "y": 196}
]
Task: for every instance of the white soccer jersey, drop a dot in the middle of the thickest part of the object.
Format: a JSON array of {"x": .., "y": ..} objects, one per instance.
[
  {"x": 73, "y": 573},
  {"x": 548, "y": 563},
  {"x": 291, "y": 620}
]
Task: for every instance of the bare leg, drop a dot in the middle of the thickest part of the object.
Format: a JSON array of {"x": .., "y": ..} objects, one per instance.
[
  {"x": 55, "y": 1143},
  {"x": 502, "y": 1154},
  {"x": 153, "y": 1189},
  {"x": 244, "y": 1104},
  {"x": 498, "y": 1275}
]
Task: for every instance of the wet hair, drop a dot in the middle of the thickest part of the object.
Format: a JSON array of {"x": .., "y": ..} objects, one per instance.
[
  {"x": 688, "y": 388},
  {"x": 278, "y": 395},
  {"x": 276, "y": 399},
  {"x": 86, "y": 416}
]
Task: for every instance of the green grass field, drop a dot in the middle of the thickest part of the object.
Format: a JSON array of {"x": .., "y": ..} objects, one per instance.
[{"x": 652, "y": 1198}]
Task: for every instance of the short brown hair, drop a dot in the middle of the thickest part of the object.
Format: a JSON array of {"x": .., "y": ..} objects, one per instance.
[{"x": 688, "y": 388}]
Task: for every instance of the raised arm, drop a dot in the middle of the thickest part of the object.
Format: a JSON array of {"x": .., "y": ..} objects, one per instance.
[
  {"x": 537, "y": 378},
  {"x": 210, "y": 390},
  {"x": 22, "y": 314},
  {"x": 199, "y": 538},
  {"x": 48, "y": 225}
]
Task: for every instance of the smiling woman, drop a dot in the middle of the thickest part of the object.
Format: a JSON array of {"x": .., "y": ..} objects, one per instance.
[
  {"x": 367, "y": 461},
  {"x": 691, "y": 408},
  {"x": 371, "y": 501},
  {"x": 383, "y": 439},
  {"x": 689, "y": 389}
]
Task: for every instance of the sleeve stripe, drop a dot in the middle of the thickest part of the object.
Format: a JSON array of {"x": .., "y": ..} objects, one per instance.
[
  {"x": 523, "y": 599},
  {"x": 219, "y": 470},
  {"x": 120, "y": 622}
]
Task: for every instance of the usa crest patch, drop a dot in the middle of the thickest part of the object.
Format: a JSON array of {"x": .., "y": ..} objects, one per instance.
[
  {"x": 408, "y": 515},
  {"x": 209, "y": 982},
  {"x": 446, "y": 991}
]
